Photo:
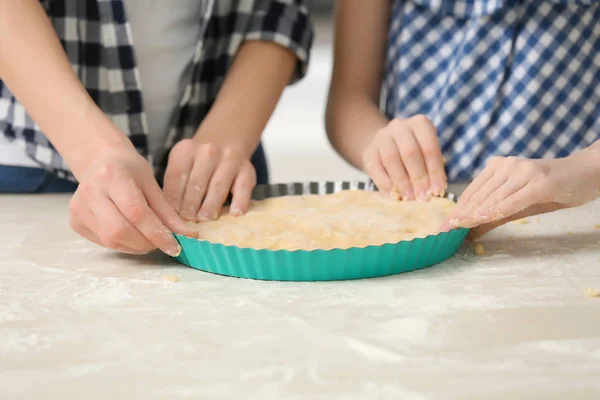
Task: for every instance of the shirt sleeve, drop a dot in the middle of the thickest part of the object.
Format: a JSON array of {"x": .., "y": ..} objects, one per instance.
[{"x": 286, "y": 23}]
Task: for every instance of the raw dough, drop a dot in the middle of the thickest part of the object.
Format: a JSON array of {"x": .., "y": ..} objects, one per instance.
[
  {"x": 171, "y": 278},
  {"x": 351, "y": 218},
  {"x": 478, "y": 249},
  {"x": 592, "y": 292},
  {"x": 521, "y": 221}
]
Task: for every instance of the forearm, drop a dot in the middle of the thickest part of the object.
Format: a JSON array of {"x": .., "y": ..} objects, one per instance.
[
  {"x": 353, "y": 115},
  {"x": 35, "y": 68},
  {"x": 252, "y": 88},
  {"x": 352, "y": 120}
]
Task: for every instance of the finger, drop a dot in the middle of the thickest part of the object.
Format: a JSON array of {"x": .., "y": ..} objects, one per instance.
[
  {"x": 484, "y": 212},
  {"x": 131, "y": 202},
  {"x": 89, "y": 235},
  {"x": 179, "y": 165},
  {"x": 515, "y": 203},
  {"x": 537, "y": 209},
  {"x": 82, "y": 220},
  {"x": 218, "y": 189},
  {"x": 242, "y": 190},
  {"x": 374, "y": 168},
  {"x": 477, "y": 183},
  {"x": 506, "y": 208},
  {"x": 392, "y": 162},
  {"x": 489, "y": 190},
  {"x": 412, "y": 157},
  {"x": 115, "y": 231},
  {"x": 427, "y": 138},
  {"x": 85, "y": 223},
  {"x": 205, "y": 163},
  {"x": 166, "y": 214}
]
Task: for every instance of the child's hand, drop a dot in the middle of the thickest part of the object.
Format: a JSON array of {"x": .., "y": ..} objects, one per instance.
[
  {"x": 200, "y": 176},
  {"x": 510, "y": 188},
  {"x": 118, "y": 204},
  {"x": 404, "y": 159}
]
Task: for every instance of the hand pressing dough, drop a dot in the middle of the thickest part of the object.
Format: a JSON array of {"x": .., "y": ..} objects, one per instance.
[{"x": 351, "y": 218}]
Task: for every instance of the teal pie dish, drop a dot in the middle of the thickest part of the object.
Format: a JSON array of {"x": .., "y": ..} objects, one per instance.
[{"x": 319, "y": 265}]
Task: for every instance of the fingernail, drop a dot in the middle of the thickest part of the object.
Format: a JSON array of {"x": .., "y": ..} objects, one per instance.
[
  {"x": 205, "y": 217},
  {"x": 235, "y": 211},
  {"x": 188, "y": 216},
  {"x": 454, "y": 222},
  {"x": 436, "y": 189},
  {"x": 393, "y": 193},
  {"x": 408, "y": 195},
  {"x": 422, "y": 195},
  {"x": 175, "y": 253}
]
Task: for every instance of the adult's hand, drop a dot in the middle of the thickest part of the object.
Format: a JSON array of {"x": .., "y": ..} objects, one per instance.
[
  {"x": 404, "y": 159},
  {"x": 511, "y": 188},
  {"x": 119, "y": 204},
  {"x": 200, "y": 176}
]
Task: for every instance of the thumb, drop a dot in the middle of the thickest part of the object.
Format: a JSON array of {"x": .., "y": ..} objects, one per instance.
[{"x": 164, "y": 211}]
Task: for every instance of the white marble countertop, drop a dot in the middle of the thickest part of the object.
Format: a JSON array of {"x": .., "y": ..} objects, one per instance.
[{"x": 77, "y": 321}]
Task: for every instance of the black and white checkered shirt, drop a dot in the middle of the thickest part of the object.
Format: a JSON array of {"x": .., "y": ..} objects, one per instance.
[{"x": 98, "y": 42}]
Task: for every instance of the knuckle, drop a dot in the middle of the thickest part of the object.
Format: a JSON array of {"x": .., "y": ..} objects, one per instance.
[
  {"x": 105, "y": 173},
  {"x": 495, "y": 161},
  {"x": 411, "y": 152},
  {"x": 397, "y": 124},
  {"x": 109, "y": 241},
  {"x": 421, "y": 119},
  {"x": 134, "y": 213},
  {"x": 421, "y": 181},
  {"x": 382, "y": 133},
  {"x": 209, "y": 151},
  {"x": 388, "y": 155},
  {"x": 514, "y": 161},
  {"x": 86, "y": 190},
  {"x": 219, "y": 187},
  {"x": 430, "y": 152},
  {"x": 183, "y": 147},
  {"x": 116, "y": 233},
  {"x": 230, "y": 154}
]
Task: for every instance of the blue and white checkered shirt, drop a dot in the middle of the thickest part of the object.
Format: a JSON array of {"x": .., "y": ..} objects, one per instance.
[
  {"x": 97, "y": 39},
  {"x": 497, "y": 77}
]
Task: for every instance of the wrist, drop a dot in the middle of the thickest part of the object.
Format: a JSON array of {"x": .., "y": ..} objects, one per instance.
[
  {"x": 231, "y": 138},
  {"x": 590, "y": 157},
  {"x": 82, "y": 142}
]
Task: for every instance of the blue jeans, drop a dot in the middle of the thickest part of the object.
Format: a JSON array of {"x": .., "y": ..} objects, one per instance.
[{"x": 20, "y": 180}]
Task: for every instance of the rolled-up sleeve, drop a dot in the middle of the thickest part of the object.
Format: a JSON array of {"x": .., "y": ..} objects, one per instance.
[{"x": 286, "y": 23}]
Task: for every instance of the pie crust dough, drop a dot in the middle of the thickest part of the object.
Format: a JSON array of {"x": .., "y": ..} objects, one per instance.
[{"x": 352, "y": 218}]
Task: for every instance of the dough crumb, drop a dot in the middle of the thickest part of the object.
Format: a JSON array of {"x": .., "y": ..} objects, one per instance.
[
  {"x": 521, "y": 221},
  {"x": 171, "y": 278},
  {"x": 591, "y": 292},
  {"x": 478, "y": 249}
]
